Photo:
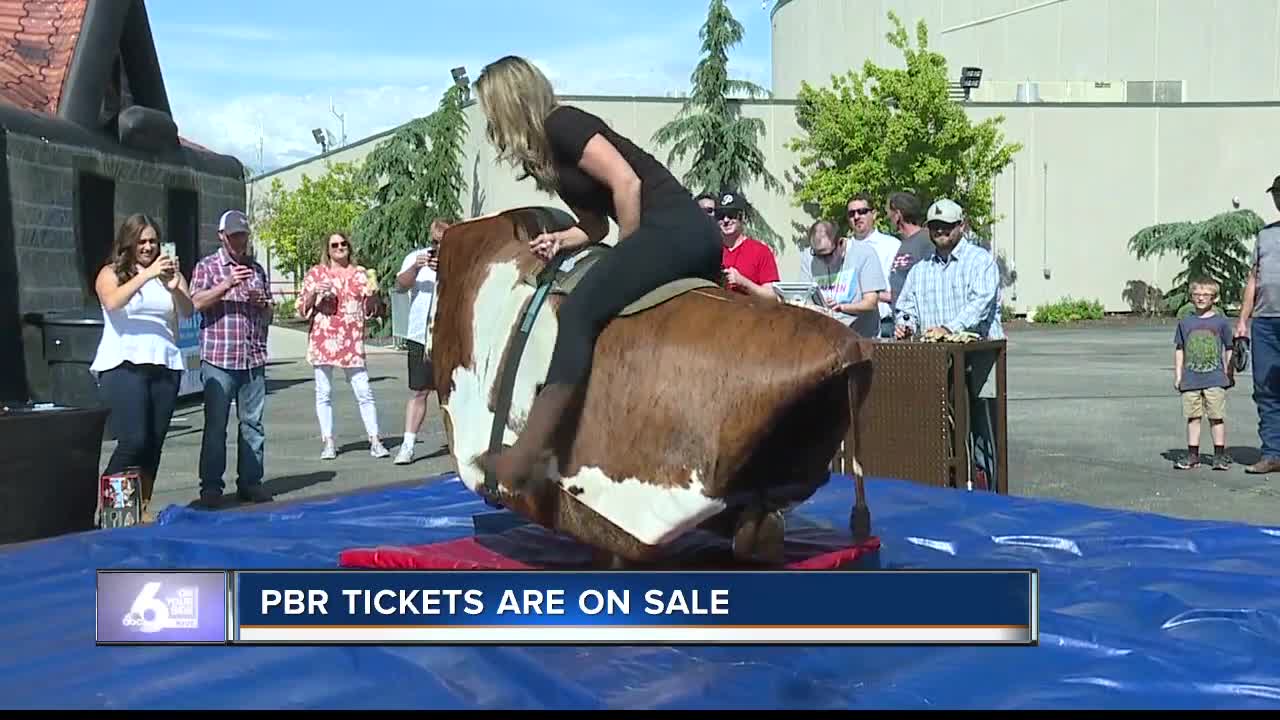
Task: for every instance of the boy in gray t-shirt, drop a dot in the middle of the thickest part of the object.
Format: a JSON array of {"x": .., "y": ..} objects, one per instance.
[
  {"x": 1202, "y": 372},
  {"x": 845, "y": 271}
]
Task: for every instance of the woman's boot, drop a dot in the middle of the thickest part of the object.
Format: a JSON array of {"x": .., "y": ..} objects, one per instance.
[
  {"x": 148, "y": 480},
  {"x": 517, "y": 466}
]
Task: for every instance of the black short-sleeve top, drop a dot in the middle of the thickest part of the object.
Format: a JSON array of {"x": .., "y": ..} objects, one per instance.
[{"x": 569, "y": 129}]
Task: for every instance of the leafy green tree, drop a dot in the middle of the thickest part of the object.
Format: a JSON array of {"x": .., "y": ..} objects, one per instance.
[
  {"x": 710, "y": 125},
  {"x": 1215, "y": 248},
  {"x": 415, "y": 176},
  {"x": 887, "y": 129},
  {"x": 295, "y": 223}
]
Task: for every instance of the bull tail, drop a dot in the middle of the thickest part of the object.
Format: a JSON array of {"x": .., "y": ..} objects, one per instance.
[{"x": 858, "y": 376}]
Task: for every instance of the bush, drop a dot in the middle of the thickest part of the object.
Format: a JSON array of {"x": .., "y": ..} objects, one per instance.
[
  {"x": 1146, "y": 300},
  {"x": 1069, "y": 310},
  {"x": 1007, "y": 312}
]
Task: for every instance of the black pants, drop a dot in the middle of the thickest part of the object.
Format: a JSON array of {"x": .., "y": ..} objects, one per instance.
[
  {"x": 670, "y": 244},
  {"x": 141, "y": 400}
]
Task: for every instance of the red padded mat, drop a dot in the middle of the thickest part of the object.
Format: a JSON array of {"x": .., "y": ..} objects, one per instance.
[{"x": 529, "y": 547}]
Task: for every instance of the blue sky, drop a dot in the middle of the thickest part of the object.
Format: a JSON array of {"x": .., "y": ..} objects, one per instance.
[{"x": 240, "y": 70}]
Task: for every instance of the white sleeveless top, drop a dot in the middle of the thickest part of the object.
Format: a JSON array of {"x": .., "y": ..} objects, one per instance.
[{"x": 143, "y": 332}]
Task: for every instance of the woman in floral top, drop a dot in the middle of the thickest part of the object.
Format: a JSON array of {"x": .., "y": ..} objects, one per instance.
[{"x": 338, "y": 296}]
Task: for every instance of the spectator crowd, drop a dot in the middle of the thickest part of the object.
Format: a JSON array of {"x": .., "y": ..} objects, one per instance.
[{"x": 926, "y": 278}]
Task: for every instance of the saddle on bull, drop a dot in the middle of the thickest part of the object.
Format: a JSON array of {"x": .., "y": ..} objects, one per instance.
[{"x": 704, "y": 409}]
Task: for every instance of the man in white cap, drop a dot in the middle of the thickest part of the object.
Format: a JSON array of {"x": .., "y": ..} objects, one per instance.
[
  {"x": 229, "y": 289},
  {"x": 954, "y": 290},
  {"x": 957, "y": 289}
]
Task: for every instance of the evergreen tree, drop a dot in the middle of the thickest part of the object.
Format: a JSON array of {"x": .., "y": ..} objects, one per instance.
[
  {"x": 1216, "y": 249},
  {"x": 710, "y": 125},
  {"x": 415, "y": 176}
]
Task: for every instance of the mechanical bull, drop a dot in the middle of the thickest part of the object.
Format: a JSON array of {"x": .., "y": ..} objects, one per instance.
[{"x": 704, "y": 409}]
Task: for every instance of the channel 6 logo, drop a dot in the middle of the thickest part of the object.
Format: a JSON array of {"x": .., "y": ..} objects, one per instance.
[{"x": 151, "y": 612}]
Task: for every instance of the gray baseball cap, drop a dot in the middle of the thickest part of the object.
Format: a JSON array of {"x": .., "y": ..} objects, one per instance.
[
  {"x": 232, "y": 222},
  {"x": 945, "y": 211}
]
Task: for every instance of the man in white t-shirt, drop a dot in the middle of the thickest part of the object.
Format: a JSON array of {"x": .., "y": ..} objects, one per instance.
[
  {"x": 848, "y": 275},
  {"x": 418, "y": 276},
  {"x": 862, "y": 219}
]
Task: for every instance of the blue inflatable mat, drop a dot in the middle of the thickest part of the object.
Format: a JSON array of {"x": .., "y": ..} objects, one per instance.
[{"x": 1138, "y": 611}]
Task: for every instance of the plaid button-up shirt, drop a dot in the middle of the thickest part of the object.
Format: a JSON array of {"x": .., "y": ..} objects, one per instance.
[
  {"x": 233, "y": 332},
  {"x": 960, "y": 293}
]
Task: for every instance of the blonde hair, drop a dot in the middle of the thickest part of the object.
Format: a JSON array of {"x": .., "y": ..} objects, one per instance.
[
  {"x": 1206, "y": 283},
  {"x": 516, "y": 98}
]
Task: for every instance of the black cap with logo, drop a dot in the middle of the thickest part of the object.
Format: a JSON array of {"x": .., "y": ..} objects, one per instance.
[{"x": 730, "y": 202}]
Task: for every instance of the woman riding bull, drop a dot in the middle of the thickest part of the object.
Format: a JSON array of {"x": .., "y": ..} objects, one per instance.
[{"x": 663, "y": 234}]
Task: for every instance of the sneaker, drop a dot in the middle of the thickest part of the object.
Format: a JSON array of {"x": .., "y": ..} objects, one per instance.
[
  {"x": 405, "y": 456},
  {"x": 1222, "y": 462},
  {"x": 377, "y": 449},
  {"x": 1188, "y": 463},
  {"x": 329, "y": 452}
]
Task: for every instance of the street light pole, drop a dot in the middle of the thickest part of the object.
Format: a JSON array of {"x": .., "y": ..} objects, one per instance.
[{"x": 342, "y": 120}]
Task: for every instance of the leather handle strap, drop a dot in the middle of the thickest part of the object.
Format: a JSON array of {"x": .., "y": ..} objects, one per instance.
[{"x": 507, "y": 382}]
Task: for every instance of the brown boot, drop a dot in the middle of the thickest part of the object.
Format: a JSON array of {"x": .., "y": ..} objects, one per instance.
[
  {"x": 517, "y": 466},
  {"x": 1265, "y": 465}
]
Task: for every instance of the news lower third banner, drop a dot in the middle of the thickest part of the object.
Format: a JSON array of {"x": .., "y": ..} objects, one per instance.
[{"x": 350, "y": 607}]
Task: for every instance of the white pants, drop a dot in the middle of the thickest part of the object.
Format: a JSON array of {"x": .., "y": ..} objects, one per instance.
[{"x": 358, "y": 378}]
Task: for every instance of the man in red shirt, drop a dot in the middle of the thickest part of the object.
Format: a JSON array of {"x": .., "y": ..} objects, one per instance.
[{"x": 749, "y": 265}]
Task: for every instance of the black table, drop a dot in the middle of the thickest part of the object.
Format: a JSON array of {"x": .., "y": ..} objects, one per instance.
[{"x": 49, "y": 470}]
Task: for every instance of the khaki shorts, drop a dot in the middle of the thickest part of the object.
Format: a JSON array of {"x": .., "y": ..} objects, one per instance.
[{"x": 1210, "y": 401}]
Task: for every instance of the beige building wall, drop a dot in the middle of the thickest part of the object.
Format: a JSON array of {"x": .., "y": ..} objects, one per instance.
[
  {"x": 1075, "y": 50},
  {"x": 1087, "y": 179}
]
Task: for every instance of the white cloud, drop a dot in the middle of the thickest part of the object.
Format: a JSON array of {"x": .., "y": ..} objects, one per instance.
[
  {"x": 379, "y": 92},
  {"x": 283, "y": 123}
]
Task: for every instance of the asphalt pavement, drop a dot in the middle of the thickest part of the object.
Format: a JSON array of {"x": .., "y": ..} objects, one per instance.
[{"x": 1093, "y": 418}]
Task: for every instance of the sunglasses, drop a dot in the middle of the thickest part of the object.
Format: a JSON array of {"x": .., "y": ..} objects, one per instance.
[
  {"x": 728, "y": 215},
  {"x": 338, "y": 245},
  {"x": 859, "y": 212}
]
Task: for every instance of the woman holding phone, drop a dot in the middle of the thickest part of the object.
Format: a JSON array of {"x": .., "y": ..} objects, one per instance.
[{"x": 138, "y": 364}]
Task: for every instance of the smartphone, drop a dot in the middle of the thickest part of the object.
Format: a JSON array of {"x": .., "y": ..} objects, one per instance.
[{"x": 170, "y": 249}]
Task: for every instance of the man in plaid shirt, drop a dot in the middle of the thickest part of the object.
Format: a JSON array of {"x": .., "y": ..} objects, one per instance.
[
  {"x": 957, "y": 290},
  {"x": 229, "y": 289}
]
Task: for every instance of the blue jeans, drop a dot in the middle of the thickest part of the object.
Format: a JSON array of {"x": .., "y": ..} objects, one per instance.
[
  {"x": 249, "y": 388},
  {"x": 1265, "y": 343},
  {"x": 141, "y": 399}
]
